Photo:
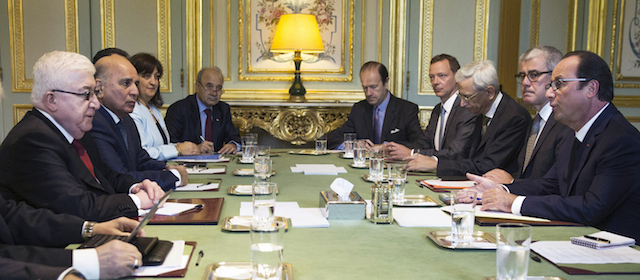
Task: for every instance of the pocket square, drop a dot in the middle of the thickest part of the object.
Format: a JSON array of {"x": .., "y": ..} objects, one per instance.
[{"x": 395, "y": 130}]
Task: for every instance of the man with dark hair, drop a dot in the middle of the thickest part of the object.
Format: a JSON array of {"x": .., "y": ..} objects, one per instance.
[
  {"x": 595, "y": 179},
  {"x": 202, "y": 118},
  {"x": 107, "y": 52},
  {"x": 381, "y": 117},
  {"x": 450, "y": 129},
  {"x": 546, "y": 135}
]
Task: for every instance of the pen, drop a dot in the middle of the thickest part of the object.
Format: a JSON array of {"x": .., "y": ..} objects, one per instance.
[
  {"x": 202, "y": 185},
  {"x": 199, "y": 257},
  {"x": 195, "y": 208},
  {"x": 534, "y": 257},
  {"x": 597, "y": 238},
  {"x": 202, "y": 138}
]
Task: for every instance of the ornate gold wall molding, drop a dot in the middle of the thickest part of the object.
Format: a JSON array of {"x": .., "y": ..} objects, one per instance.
[
  {"x": 163, "y": 15},
  {"x": 482, "y": 30},
  {"x": 397, "y": 43},
  {"x": 534, "y": 26},
  {"x": 345, "y": 63},
  {"x": 597, "y": 26},
  {"x": 425, "y": 45},
  {"x": 617, "y": 42},
  {"x": 19, "y": 82},
  {"x": 572, "y": 25}
]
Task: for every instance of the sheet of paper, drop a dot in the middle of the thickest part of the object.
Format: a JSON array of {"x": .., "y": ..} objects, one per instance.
[
  {"x": 565, "y": 252},
  {"x": 308, "y": 218},
  {"x": 174, "y": 261},
  {"x": 498, "y": 215},
  {"x": 198, "y": 187},
  {"x": 170, "y": 209},
  {"x": 449, "y": 184},
  {"x": 222, "y": 159},
  {"x": 283, "y": 209},
  {"x": 206, "y": 170},
  {"x": 421, "y": 217},
  {"x": 318, "y": 169}
]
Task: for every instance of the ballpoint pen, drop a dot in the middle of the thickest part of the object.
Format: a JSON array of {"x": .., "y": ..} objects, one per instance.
[
  {"x": 597, "y": 238},
  {"x": 200, "y": 254},
  {"x": 202, "y": 185},
  {"x": 202, "y": 138}
]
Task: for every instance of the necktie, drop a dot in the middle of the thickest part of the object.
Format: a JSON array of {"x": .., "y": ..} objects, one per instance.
[
  {"x": 123, "y": 132},
  {"x": 441, "y": 132},
  {"x": 84, "y": 157},
  {"x": 531, "y": 143},
  {"x": 485, "y": 123},
  {"x": 377, "y": 129},
  {"x": 576, "y": 153},
  {"x": 208, "y": 126}
]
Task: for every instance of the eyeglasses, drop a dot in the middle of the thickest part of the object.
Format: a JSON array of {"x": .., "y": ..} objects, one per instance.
[
  {"x": 559, "y": 83},
  {"x": 533, "y": 75},
  {"x": 467, "y": 98},
  {"x": 211, "y": 88},
  {"x": 87, "y": 94}
]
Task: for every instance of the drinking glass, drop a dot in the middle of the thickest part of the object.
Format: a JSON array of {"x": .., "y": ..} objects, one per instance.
[
  {"x": 397, "y": 177},
  {"x": 263, "y": 151},
  {"x": 262, "y": 168},
  {"x": 463, "y": 205},
  {"x": 264, "y": 201},
  {"x": 248, "y": 149},
  {"x": 376, "y": 164},
  {"x": 321, "y": 146},
  {"x": 349, "y": 139},
  {"x": 267, "y": 244},
  {"x": 512, "y": 256},
  {"x": 359, "y": 156}
]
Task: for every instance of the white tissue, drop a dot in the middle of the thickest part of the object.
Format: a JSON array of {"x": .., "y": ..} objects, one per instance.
[
  {"x": 229, "y": 272},
  {"x": 343, "y": 188}
]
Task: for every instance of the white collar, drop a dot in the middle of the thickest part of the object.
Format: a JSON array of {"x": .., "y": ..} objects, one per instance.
[
  {"x": 494, "y": 106},
  {"x": 64, "y": 131},
  {"x": 115, "y": 117},
  {"x": 545, "y": 112},
  {"x": 448, "y": 105},
  {"x": 582, "y": 133}
]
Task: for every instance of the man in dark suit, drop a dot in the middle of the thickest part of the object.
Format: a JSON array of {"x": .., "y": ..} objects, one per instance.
[
  {"x": 501, "y": 126},
  {"x": 381, "y": 117},
  {"x": 448, "y": 134},
  {"x": 115, "y": 132},
  {"x": 543, "y": 145},
  {"x": 47, "y": 160},
  {"x": 595, "y": 180},
  {"x": 204, "y": 116}
]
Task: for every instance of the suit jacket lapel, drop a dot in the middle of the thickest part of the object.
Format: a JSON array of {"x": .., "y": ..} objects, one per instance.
[
  {"x": 115, "y": 131},
  {"x": 368, "y": 120},
  {"x": 389, "y": 118},
  {"x": 195, "y": 118},
  {"x": 551, "y": 122},
  {"x": 452, "y": 116}
]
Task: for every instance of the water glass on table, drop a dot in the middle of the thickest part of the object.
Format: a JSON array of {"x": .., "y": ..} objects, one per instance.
[
  {"x": 267, "y": 244},
  {"x": 321, "y": 146},
  {"x": 262, "y": 168},
  {"x": 512, "y": 256},
  {"x": 248, "y": 149},
  {"x": 349, "y": 139},
  {"x": 264, "y": 202},
  {"x": 397, "y": 177},
  {"x": 376, "y": 165},
  {"x": 263, "y": 151},
  {"x": 463, "y": 204}
]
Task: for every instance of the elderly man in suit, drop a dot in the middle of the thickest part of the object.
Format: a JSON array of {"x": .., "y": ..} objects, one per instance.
[
  {"x": 595, "y": 179},
  {"x": 47, "y": 159},
  {"x": 501, "y": 128},
  {"x": 543, "y": 146},
  {"x": 450, "y": 129},
  {"x": 203, "y": 118},
  {"x": 381, "y": 117},
  {"x": 115, "y": 132}
]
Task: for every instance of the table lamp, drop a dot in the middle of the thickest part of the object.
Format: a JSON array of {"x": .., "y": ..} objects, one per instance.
[{"x": 297, "y": 33}]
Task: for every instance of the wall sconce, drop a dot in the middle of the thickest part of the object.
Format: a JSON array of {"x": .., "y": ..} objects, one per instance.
[{"x": 297, "y": 33}]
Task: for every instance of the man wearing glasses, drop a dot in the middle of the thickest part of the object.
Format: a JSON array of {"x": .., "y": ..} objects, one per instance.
[
  {"x": 501, "y": 126},
  {"x": 543, "y": 145},
  {"x": 115, "y": 132},
  {"x": 595, "y": 179},
  {"x": 49, "y": 161},
  {"x": 202, "y": 117}
]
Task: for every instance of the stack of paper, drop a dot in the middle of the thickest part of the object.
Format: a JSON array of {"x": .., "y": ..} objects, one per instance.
[
  {"x": 498, "y": 215},
  {"x": 300, "y": 217},
  {"x": 318, "y": 169},
  {"x": 171, "y": 209},
  {"x": 603, "y": 240},
  {"x": 198, "y": 187},
  {"x": 421, "y": 217},
  {"x": 439, "y": 184},
  {"x": 218, "y": 170},
  {"x": 565, "y": 252}
]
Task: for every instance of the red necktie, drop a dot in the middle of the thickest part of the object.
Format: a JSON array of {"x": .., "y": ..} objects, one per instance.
[
  {"x": 208, "y": 126},
  {"x": 84, "y": 157}
]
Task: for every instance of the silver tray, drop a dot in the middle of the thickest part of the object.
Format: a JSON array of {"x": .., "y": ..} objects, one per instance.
[
  {"x": 227, "y": 226},
  {"x": 239, "y": 160},
  {"x": 530, "y": 278},
  {"x": 483, "y": 241},
  {"x": 385, "y": 177},
  {"x": 308, "y": 152},
  {"x": 287, "y": 270},
  {"x": 232, "y": 190},
  {"x": 343, "y": 156},
  {"x": 248, "y": 172},
  {"x": 366, "y": 165},
  {"x": 416, "y": 200}
]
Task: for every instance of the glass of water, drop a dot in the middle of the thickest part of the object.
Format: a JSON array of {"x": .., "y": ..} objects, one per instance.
[
  {"x": 321, "y": 146},
  {"x": 463, "y": 204},
  {"x": 349, "y": 139},
  {"x": 512, "y": 256},
  {"x": 267, "y": 244},
  {"x": 248, "y": 149},
  {"x": 397, "y": 177},
  {"x": 264, "y": 202},
  {"x": 262, "y": 168}
]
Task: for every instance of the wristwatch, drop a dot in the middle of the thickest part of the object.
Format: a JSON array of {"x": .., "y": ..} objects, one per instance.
[{"x": 87, "y": 229}]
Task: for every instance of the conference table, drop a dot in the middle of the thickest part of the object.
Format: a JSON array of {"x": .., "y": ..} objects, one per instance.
[{"x": 348, "y": 249}]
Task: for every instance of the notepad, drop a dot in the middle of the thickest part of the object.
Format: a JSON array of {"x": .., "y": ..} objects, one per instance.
[{"x": 615, "y": 240}]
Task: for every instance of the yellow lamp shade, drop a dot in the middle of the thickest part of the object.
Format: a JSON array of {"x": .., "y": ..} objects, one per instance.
[{"x": 297, "y": 32}]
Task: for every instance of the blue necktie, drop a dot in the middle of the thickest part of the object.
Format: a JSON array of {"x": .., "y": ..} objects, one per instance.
[
  {"x": 441, "y": 133},
  {"x": 377, "y": 127}
]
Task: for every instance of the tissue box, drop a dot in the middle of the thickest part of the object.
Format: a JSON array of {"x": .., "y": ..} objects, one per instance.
[{"x": 333, "y": 209}]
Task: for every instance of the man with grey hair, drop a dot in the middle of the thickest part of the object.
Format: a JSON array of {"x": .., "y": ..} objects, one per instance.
[
  {"x": 543, "y": 145},
  {"x": 203, "y": 118},
  {"x": 48, "y": 161},
  {"x": 501, "y": 127}
]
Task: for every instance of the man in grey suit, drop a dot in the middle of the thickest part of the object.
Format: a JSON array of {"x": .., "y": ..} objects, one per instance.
[
  {"x": 546, "y": 135},
  {"x": 448, "y": 134}
]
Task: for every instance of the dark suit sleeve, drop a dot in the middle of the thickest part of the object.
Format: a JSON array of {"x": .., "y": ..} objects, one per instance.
[
  {"x": 464, "y": 128},
  {"x": 40, "y": 227},
  {"x": 336, "y": 137},
  {"x": 26, "y": 266},
  {"x": 176, "y": 120},
  {"x": 412, "y": 125},
  {"x": 228, "y": 129}
]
